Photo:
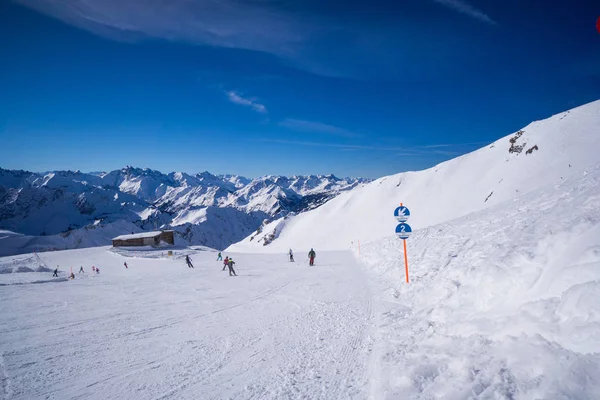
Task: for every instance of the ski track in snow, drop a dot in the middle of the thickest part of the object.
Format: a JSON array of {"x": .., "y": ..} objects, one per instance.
[{"x": 160, "y": 330}]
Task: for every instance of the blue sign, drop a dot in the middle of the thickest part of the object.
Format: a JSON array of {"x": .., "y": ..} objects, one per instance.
[
  {"x": 403, "y": 231},
  {"x": 402, "y": 214}
]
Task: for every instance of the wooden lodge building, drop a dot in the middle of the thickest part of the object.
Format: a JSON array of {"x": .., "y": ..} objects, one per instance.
[{"x": 144, "y": 239}]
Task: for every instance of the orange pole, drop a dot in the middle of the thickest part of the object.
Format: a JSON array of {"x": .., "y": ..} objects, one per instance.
[
  {"x": 359, "y": 247},
  {"x": 405, "y": 261}
]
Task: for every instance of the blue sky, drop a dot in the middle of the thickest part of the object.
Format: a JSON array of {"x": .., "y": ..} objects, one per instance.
[{"x": 258, "y": 87}]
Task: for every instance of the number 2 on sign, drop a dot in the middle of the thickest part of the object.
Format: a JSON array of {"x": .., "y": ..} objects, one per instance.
[{"x": 403, "y": 229}]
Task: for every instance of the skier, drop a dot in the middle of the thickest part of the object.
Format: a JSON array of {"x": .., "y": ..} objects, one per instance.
[
  {"x": 93, "y": 269},
  {"x": 219, "y": 257},
  {"x": 72, "y": 276},
  {"x": 97, "y": 270},
  {"x": 225, "y": 263},
  {"x": 230, "y": 264},
  {"x": 188, "y": 260},
  {"x": 311, "y": 256},
  {"x": 125, "y": 264},
  {"x": 55, "y": 274},
  {"x": 291, "y": 256},
  {"x": 81, "y": 271}
]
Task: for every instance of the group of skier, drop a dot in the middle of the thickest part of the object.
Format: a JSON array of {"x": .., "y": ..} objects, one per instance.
[
  {"x": 95, "y": 270},
  {"x": 227, "y": 263},
  {"x": 311, "y": 256}
]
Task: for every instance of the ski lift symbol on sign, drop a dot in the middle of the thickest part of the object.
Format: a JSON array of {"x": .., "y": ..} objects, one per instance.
[
  {"x": 403, "y": 231},
  {"x": 401, "y": 214}
]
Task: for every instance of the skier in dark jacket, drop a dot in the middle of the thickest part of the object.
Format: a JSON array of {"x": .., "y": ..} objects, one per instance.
[
  {"x": 230, "y": 264},
  {"x": 125, "y": 264},
  {"x": 311, "y": 256},
  {"x": 81, "y": 271},
  {"x": 55, "y": 274},
  {"x": 225, "y": 263},
  {"x": 188, "y": 260},
  {"x": 291, "y": 256}
]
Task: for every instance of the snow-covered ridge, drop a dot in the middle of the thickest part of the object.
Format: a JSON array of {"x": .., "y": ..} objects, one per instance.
[{"x": 542, "y": 153}]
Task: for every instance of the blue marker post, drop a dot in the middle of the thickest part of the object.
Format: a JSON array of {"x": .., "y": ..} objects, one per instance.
[{"x": 403, "y": 231}]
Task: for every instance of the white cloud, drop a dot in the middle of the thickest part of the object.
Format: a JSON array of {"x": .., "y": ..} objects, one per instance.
[
  {"x": 252, "y": 25},
  {"x": 236, "y": 98},
  {"x": 317, "y": 127},
  {"x": 467, "y": 9}
]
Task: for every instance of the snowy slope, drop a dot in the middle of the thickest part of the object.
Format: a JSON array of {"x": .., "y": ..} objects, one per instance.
[
  {"x": 561, "y": 146},
  {"x": 503, "y": 303},
  {"x": 161, "y": 330}
]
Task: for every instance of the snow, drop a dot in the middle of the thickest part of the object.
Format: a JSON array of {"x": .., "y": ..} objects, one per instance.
[
  {"x": 502, "y": 303},
  {"x": 140, "y": 235},
  {"x": 279, "y": 330},
  {"x": 567, "y": 143},
  {"x": 190, "y": 216},
  {"x": 67, "y": 203}
]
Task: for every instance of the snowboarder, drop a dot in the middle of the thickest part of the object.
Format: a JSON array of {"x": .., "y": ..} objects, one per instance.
[
  {"x": 230, "y": 264},
  {"x": 125, "y": 264},
  {"x": 291, "y": 256},
  {"x": 188, "y": 260},
  {"x": 81, "y": 271},
  {"x": 219, "y": 258},
  {"x": 225, "y": 263},
  {"x": 55, "y": 274},
  {"x": 72, "y": 276},
  {"x": 311, "y": 256}
]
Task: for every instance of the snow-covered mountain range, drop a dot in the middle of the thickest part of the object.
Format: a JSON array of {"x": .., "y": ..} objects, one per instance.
[{"x": 67, "y": 209}]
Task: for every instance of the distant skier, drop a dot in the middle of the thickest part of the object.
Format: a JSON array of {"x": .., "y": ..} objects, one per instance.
[
  {"x": 81, "y": 271},
  {"x": 97, "y": 270},
  {"x": 230, "y": 264},
  {"x": 311, "y": 256},
  {"x": 291, "y": 256},
  {"x": 125, "y": 264},
  {"x": 219, "y": 258},
  {"x": 225, "y": 263},
  {"x": 55, "y": 274},
  {"x": 93, "y": 269},
  {"x": 188, "y": 260},
  {"x": 72, "y": 276}
]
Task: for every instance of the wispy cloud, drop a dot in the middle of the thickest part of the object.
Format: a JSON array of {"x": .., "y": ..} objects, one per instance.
[
  {"x": 252, "y": 25},
  {"x": 401, "y": 150},
  {"x": 236, "y": 98},
  {"x": 301, "y": 125},
  {"x": 467, "y": 9}
]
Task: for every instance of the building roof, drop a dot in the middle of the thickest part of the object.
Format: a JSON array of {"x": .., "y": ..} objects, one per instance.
[{"x": 139, "y": 235}]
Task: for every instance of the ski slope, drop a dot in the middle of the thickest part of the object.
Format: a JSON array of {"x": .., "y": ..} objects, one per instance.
[
  {"x": 561, "y": 146},
  {"x": 502, "y": 304},
  {"x": 279, "y": 330}
]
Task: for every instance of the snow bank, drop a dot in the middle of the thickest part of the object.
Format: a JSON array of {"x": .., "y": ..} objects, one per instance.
[
  {"x": 503, "y": 303},
  {"x": 543, "y": 153}
]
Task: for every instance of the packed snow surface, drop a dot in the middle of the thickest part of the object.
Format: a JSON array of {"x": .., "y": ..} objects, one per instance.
[{"x": 159, "y": 329}]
